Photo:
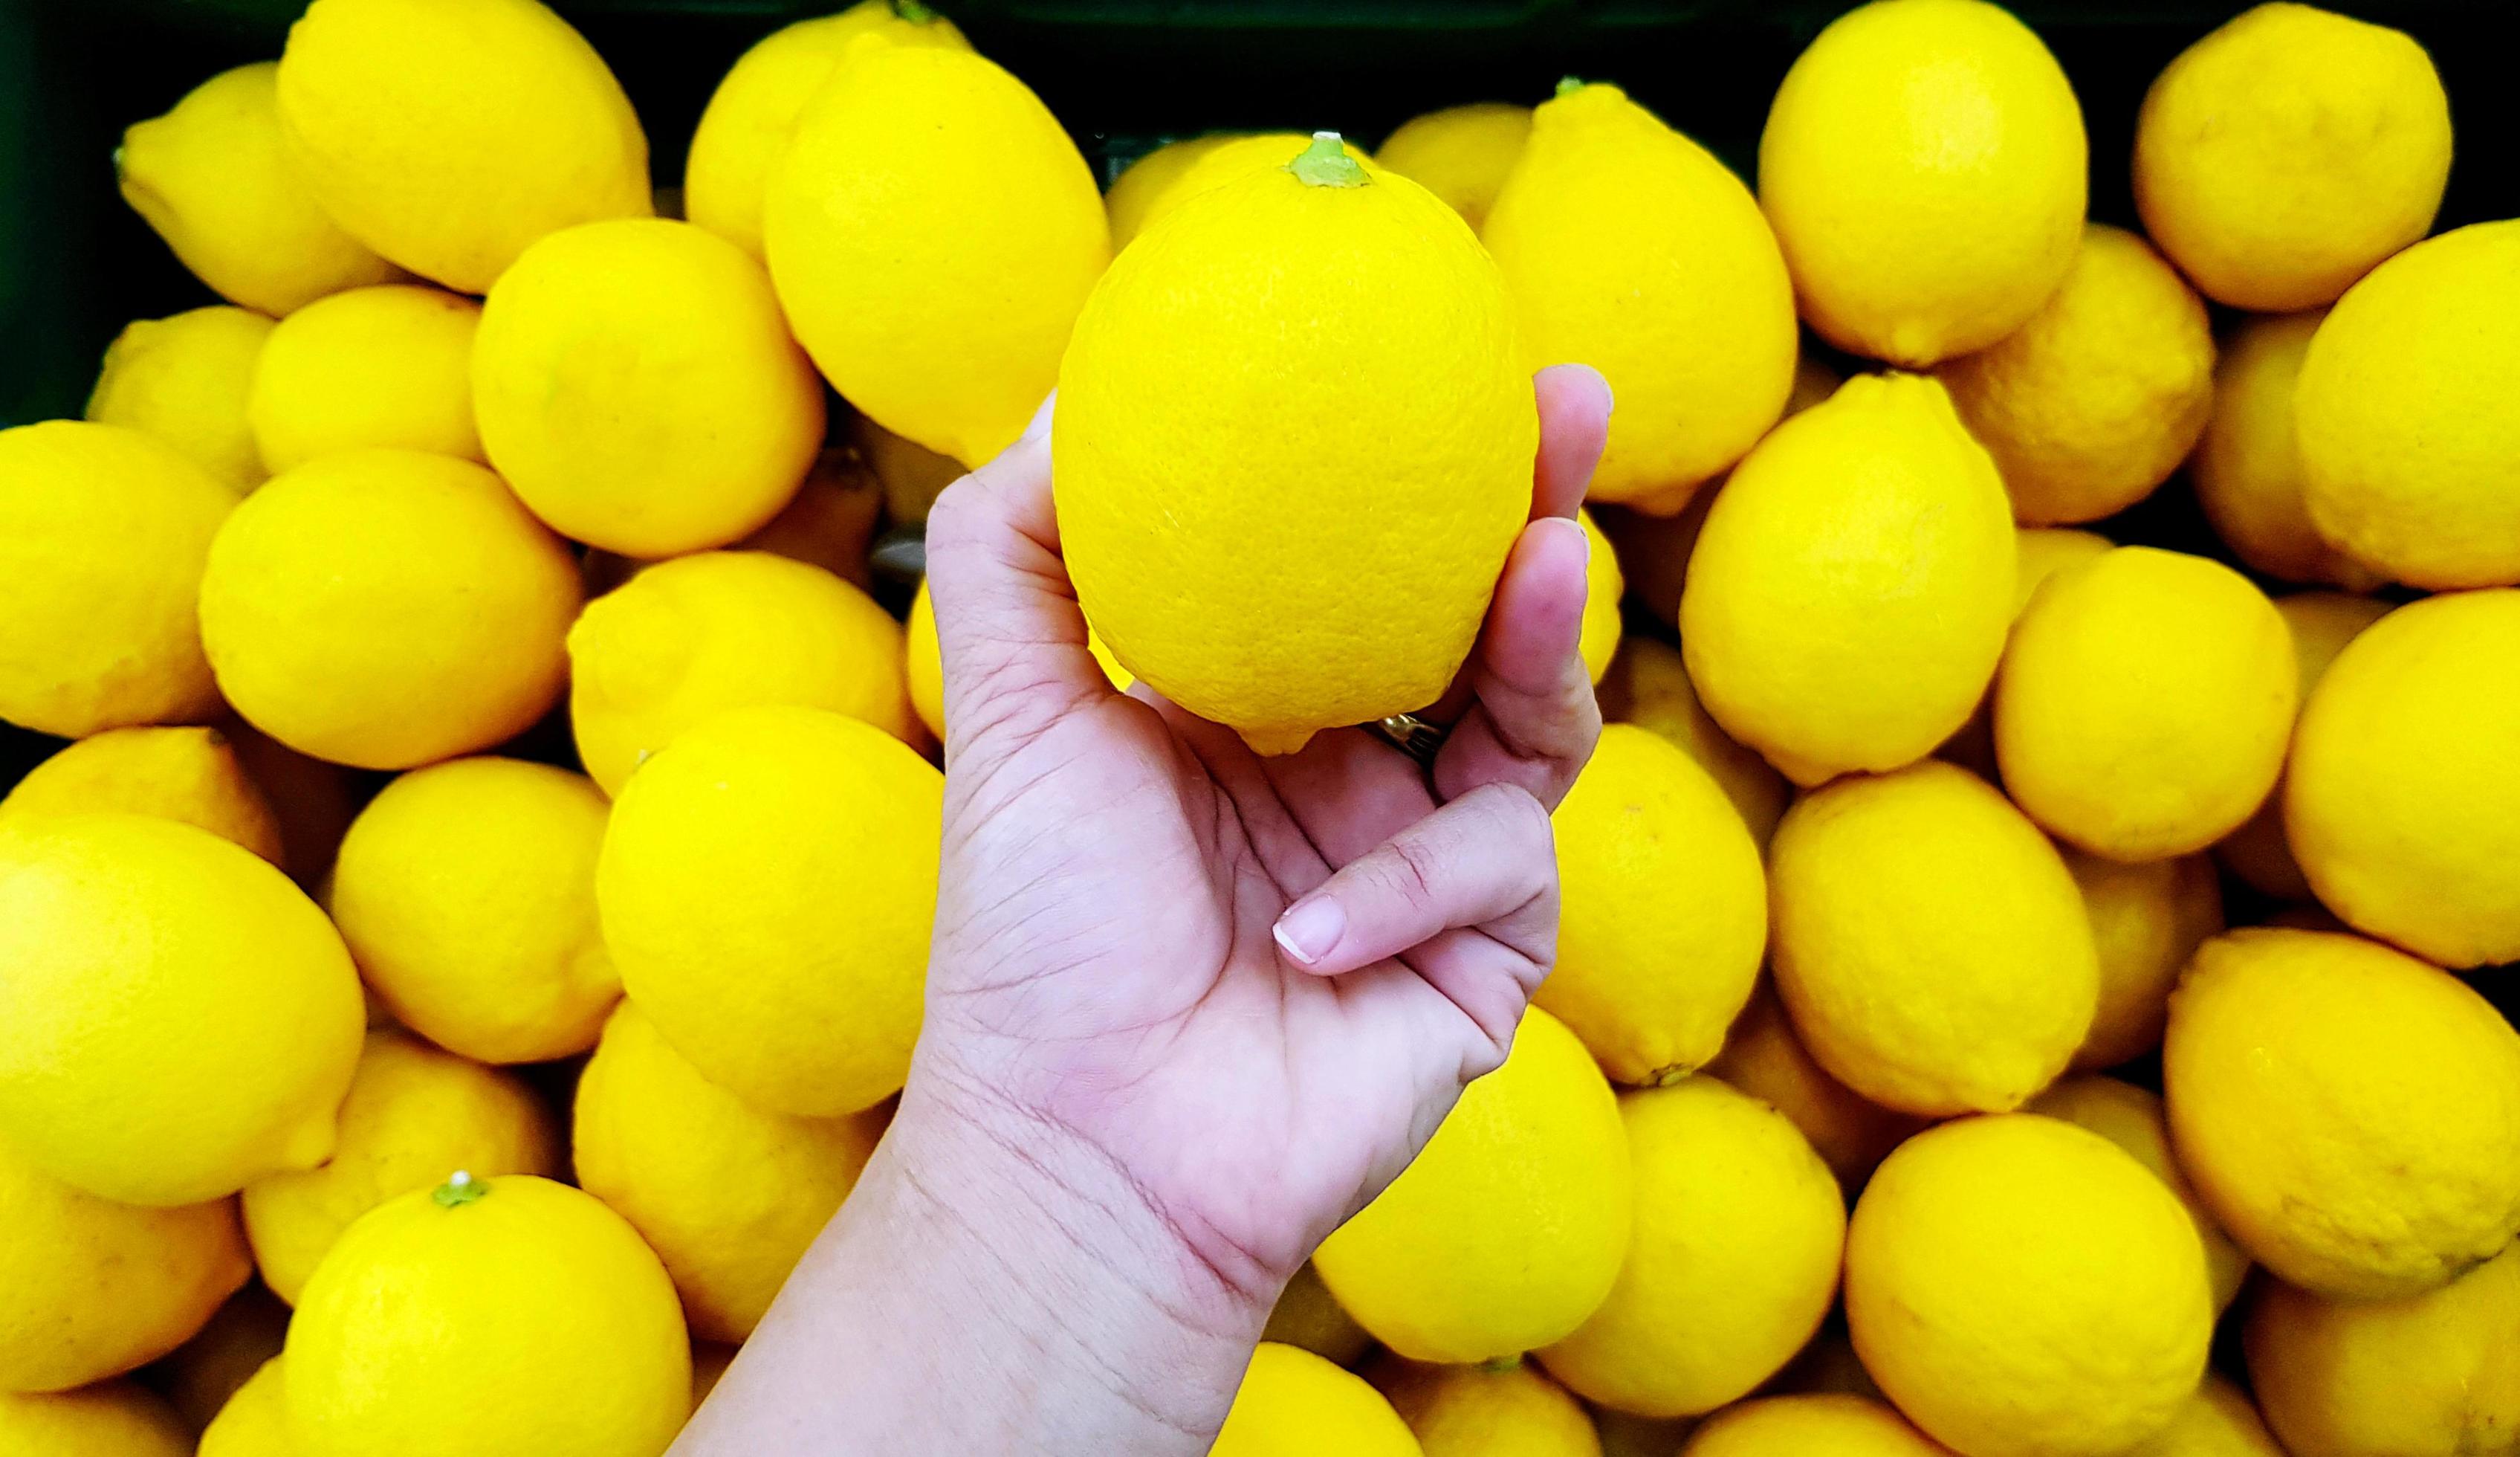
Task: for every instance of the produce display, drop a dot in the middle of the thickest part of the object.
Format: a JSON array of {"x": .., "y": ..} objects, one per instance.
[{"x": 2036, "y": 924}]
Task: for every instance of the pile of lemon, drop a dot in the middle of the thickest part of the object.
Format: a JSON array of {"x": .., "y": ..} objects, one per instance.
[{"x": 466, "y": 950}]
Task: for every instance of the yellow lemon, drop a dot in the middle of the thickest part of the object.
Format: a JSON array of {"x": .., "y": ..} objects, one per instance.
[
  {"x": 103, "y": 533},
  {"x": 1764, "y": 1056},
  {"x": 1292, "y": 1403},
  {"x": 118, "y": 1418},
  {"x": 466, "y": 891},
  {"x": 1731, "y": 1264},
  {"x": 1848, "y": 600},
  {"x": 2407, "y": 448},
  {"x": 1924, "y": 164},
  {"x": 753, "y": 114},
  {"x": 510, "y": 1314},
  {"x": 1630, "y": 248},
  {"x": 728, "y": 1195},
  {"x": 2147, "y": 920},
  {"x": 1228, "y": 159},
  {"x": 185, "y": 379},
  {"x": 1663, "y": 909},
  {"x": 1472, "y": 1411},
  {"x": 2217, "y": 1421},
  {"x": 449, "y": 134},
  {"x": 1134, "y": 192},
  {"x": 254, "y": 1422},
  {"x": 2247, "y": 467},
  {"x": 688, "y": 638},
  {"x": 2432, "y": 1375},
  {"x": 1460, "y": 154},
  {"x": 2280, "y": 157},
  {"x": 215, "y": 179},
  {"x": 636, "y": 385},
  {"x": 206, "y": 1371},
  {"x": 1509, "y": 1229},
  {"x": 90, "y": 1289},
  {"x": 926, "y": 666},
  {"x": 2403, "y": 796},
  {"x": 1821, "y": 1424},
  {"x": 2023, "y": 1287},
  {"x": 1648, "y": 685},
  {"x": 767, "y": 885},
  {"x": 933, "y": 233},
  {"x": 911, "y": 474},
  {"x": 2045, "y": 551},
  {"x": 414, "y": 1112},
  {"x": 178, "y": 1019},
  {"x": 1929, "y": 942},
  {"x": 1309, "y": 1316},
  {"x": 2322, "y": 624},
  {"x": 1599, "y": 639},
  {"x": 389, "y": 365},
  {"x": 2092, "y": 402},
  {"x": 2134, "y": 1120},
  {"x": 1286, "y": 508},
  {"x": 2350, "y": 1115},
  {"x": 2146, "y": 703},
  {"x": 187, "y": 774},
  {"x": 386, "y": 608}
]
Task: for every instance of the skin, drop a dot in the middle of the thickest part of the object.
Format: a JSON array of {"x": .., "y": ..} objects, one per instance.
[{"x": 1188, "y": 1009}]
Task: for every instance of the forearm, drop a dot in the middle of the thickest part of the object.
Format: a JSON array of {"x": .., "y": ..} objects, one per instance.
[{"x": 990, "y": 1287}]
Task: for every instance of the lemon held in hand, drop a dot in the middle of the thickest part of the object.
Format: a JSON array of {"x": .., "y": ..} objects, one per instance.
[{"x": 1285, "y": 507}]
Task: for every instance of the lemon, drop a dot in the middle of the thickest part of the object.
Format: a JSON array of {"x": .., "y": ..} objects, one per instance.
[
  {"x": 1134, "y": 192},
  {"x": 413, "y": 1113},
  {"x": 2404, "y": 799},
  {"x": 911, "y": 474},
  {"x": 2092, "y": 402},
  {"x": 767, "y": 885},
  {"x": 388, "y": 607},
  {"x": 2147, "y": 920},
  {"x": 1822, "y": 1425},
  {"x": 688, "y": 638},
  {"x": 1731, "y": 1264},
  {"x": 1598, "y": 639},
  {"x": 117, "y": 1420},
  {"x": 2134, "y": 1120},
  {"x": 254, "y": 1422},
  {"x": 90, "y": 1289},
  {"x": 2432, "y": 1375},
  {"x": 636, "y": 385},
  {"x": 2217, "y": 1421},
  {"x": 1648, "y": 685},
  {"x": 187, "y": 774},
  {"x": 185, "y": 379},
  {"x": 178, "y": 1019},
  {"x": 1460, "y": 154},
  {"x": 1229, "y": 159},
  {"x": 1286, "y": 508},
  {"x": 2144, "y": 703},
  {"x": 2247, "y": 467},
  {"x": 2021, "y": 1286},
  {"x": 449, "y": 134},
  {"x": 933, "y": 233},
  {"x": 1663, "y": 910},
  {"x": 2045, "y": 551},
  {"x": 204, "y": 1372},
  {"x": 2350, "y": 1115},
  {"x": 384, "y": 366},
  {"x": 215, "y": 179},
  {"x": 2280, "y": 157},
  {"x": 1629, "y": 247},
  {"x": 1848, "y": 599},
  {"x": 1472, "y": 1411},
  {"x": 466, "y": 891},
  {"x": 1931, "y": 946},
  {"x": 508, "y": 1315},
  {"x": 1308, "y": 1317},
  {"x": 2407, "y": 454},
  {"x": 2321, "y": 623},
  {"x": 1923, "y": 166},
  {"x": 1509, "y": 1229},
  {"x": 1292, "y": 1403},
  {"x": 1764, "y": 1056},
  {"x": 926, "y": 669},
  {"x": 103, "y": 532},
  {"x": 728, "y": 1195},
  {"x": 752, "y": 114}
]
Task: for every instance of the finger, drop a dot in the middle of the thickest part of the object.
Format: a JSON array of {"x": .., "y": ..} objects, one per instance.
[
  {"x": 1483, "y": 857},
  {"x": 1531, "y": 719},
  {"x": 1574, "y": 422}
]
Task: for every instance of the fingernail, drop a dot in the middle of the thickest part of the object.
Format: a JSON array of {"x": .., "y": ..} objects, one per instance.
[{"x": 1310, "y": 928}]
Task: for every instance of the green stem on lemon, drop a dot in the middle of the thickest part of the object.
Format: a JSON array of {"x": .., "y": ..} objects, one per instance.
[
  {"x": 1569, "y": 85},
  {"x": 914, "y": 11},
  {"x": 1325, "y": 163},
  {"x": 1500, "y": 1365},
  {"x": 459, "y": 1189}
]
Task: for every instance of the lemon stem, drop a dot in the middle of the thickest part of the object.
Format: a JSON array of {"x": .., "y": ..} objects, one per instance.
[
  {"x": 914, "y": 11},
  {"x": 1325, "y": 163},
  {"x": 459, "y": 1189},
  {"x": 1498, "y": 1365},
  {"x": 1569, "y": 85}
]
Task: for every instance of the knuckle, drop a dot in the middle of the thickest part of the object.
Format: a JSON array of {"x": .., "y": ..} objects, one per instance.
[{"x": 1414, "y": 869}]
